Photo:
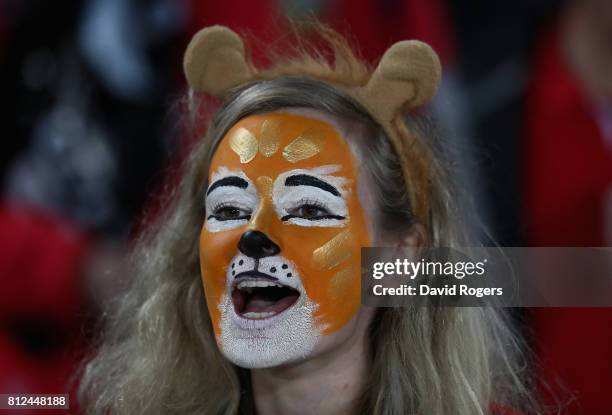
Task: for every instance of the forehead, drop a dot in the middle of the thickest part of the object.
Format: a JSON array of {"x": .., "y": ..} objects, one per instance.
[{"x": 276, "y": 142}]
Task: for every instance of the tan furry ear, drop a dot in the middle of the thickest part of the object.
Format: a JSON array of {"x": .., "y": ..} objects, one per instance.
[
  {"x": 215, "y": 61},
  {"x": 407, "y": 76}
]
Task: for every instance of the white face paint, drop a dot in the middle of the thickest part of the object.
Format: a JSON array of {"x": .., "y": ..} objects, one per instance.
[
  {"x": 252, "y": 338},
  {"x": 258, "y": 340},
  {"x": 288, "y": 199},
  {"x": 222, "y": 197}
]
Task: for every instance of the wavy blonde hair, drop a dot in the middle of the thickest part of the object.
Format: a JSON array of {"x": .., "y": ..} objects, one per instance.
[{"x": 158, "y": 353}]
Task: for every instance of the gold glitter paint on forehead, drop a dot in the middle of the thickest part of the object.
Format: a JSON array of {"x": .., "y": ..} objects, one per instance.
[
  {"x": 244, "y": 143},
  {"x": 269, "y": 137},
  {"x": 333, "y": 252},
  {"x": 305, "y": 146}
]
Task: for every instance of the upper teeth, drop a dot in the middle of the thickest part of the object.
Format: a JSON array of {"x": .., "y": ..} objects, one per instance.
[{"x": 258, "y": 283}]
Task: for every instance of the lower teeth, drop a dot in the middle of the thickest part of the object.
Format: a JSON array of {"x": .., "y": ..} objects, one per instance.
[{"x": 253, "y": 314}]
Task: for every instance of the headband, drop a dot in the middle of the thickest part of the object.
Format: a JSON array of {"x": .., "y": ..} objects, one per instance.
[{"x": 406, "y": 77}]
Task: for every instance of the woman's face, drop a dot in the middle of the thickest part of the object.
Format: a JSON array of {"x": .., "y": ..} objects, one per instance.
[{"x": 280, "y": 246}]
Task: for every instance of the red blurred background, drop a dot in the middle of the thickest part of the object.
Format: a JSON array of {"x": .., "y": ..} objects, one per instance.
[{"x": 91, "y": 126}]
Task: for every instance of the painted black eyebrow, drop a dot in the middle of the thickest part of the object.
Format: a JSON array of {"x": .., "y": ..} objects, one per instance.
[
  {"x": 228, "y": 181},
  {"x": 307, "y": 180}
]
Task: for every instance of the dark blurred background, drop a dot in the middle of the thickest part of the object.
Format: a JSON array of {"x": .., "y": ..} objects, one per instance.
[{"x": 91, "y": 126}]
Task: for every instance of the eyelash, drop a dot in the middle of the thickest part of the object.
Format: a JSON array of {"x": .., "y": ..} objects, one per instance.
[{"x": 311, "y": 203}]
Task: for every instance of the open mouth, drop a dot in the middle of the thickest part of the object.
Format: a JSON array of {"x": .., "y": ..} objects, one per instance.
[{"x": 259, "y": 297}]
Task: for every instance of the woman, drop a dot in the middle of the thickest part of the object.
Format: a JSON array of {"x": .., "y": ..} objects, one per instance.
[{"x": 303, "y": 164}]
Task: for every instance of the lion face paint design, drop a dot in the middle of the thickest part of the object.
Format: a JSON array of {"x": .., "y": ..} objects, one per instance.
[{"x": 280, "y": 246}]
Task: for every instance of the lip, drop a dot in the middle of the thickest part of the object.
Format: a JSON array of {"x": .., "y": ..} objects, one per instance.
[
  {"x": 252, "y": 274},
  {"x": 259, "y": 297}
]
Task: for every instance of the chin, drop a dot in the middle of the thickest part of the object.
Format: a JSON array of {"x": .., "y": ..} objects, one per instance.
[{"x": 269, "y": 340}]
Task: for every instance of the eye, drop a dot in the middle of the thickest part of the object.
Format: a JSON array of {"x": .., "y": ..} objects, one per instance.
[
  {"x": 228, "y": 212},
  {"x": 310, "y": 211}
]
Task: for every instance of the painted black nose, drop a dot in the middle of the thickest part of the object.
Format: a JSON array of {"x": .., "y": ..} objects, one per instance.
[{"x": 257, "y": 245}]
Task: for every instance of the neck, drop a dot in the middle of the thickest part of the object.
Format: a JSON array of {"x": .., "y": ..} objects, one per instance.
[{"x": 329, "y": 384}]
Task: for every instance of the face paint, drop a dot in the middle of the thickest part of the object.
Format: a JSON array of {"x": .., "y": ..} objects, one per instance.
[{"x": 280, "y": 247}]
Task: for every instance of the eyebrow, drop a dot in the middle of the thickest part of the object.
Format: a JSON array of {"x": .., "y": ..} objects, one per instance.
[
  {"x": 228, "y": 181},
  {"x": 307, "y": 180}
]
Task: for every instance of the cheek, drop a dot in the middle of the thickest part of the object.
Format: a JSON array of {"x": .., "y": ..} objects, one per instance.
[
  {"x": 216, "y": 251},
  {"x": 337, "y": 292}
]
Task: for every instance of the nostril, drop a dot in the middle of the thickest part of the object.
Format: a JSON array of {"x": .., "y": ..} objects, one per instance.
[
  {"x": 256, "y": 244},
  {"x": 269, "y": 249}
]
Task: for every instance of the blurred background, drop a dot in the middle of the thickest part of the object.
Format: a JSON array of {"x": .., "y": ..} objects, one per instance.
[{"x": 91, "y": 126}]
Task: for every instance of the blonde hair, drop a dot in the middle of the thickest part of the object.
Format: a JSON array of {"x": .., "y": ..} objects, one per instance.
[{"x": 158, "y": 353}]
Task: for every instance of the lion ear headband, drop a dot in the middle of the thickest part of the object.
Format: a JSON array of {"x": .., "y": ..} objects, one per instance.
[{"x": 406, "y": 77}]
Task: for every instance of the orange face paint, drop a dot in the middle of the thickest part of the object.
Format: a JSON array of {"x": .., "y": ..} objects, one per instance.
[{"x": 276, "y": 154}]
